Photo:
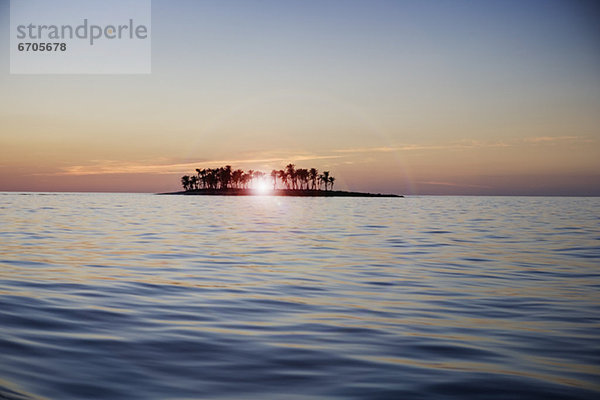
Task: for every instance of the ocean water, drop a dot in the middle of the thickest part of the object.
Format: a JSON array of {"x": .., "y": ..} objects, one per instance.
[{"x": 138, "y": 296}]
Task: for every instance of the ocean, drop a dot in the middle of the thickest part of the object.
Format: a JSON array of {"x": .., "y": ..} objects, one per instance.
[{"x": 139, "y": 296}]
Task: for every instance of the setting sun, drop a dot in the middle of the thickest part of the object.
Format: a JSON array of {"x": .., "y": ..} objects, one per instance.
[{"x": 263, "y": 187}]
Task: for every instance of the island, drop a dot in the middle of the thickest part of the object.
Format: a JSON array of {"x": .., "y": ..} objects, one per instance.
[{"x": 291, "y": 181}]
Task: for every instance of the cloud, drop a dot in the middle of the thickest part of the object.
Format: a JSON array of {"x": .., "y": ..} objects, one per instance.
[
  {"x": 106, "y": 167},
  {"x": 464, "y": 145},
  {"x": 437, "y": 183},
  {"x": 551, "y": 139},
  {"x": 163, "y": 166}
]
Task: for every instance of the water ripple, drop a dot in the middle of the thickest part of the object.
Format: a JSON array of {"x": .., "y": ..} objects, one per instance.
[{"x": 122, "y": 296}]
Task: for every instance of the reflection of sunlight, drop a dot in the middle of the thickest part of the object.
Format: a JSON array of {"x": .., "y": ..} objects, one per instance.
[{"x": 263, "y": 187}]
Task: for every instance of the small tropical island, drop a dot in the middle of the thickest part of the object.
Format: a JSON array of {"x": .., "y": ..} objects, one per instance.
[{"x": 291, "y": 181}]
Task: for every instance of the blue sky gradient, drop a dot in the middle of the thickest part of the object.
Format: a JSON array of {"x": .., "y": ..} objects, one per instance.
[{"x": 457, "y": 97}]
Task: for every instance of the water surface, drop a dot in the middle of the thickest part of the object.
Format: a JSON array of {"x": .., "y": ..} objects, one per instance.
[{"x": 133, "y": 296}]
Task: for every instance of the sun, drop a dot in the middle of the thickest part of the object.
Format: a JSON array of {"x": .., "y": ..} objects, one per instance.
[{"x": 263, "y": 187}]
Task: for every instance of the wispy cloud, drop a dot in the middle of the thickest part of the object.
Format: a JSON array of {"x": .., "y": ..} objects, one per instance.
[
  {"x": 453, "y": 184},
  {"x": 466, "y": 144},
  {"x": 105, "y": 167},
  {"x": 551, "y": 139},
  {"x": 275, "y": 157}
]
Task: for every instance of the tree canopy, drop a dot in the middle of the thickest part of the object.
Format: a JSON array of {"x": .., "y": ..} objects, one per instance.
[{"x": 290, "y": 178}]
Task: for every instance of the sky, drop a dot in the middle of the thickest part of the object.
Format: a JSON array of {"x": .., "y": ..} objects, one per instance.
[{"x": 406, "y": 97}]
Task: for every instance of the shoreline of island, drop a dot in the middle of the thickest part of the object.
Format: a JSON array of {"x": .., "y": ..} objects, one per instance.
[{"x": 276, "y": 192}]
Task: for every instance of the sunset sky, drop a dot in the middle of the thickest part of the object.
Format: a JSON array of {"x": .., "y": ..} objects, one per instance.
[{"x": 408, "y": 97}]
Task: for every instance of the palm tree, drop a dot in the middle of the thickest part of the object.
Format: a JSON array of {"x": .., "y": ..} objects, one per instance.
[
  {"x": 198, "y": 171},
  {"x": 302, "y": 174},
  {"x": 313, "y": 175},
  {"x": 284, "y": 178},
  {"x": 331, "y": 181},
  {"x": 274, "y": 176},
  {"x": 292, "y": 174},
  {"x": 211, "y": 178},
  {"x": 325, "y": 178},
  {"x": 236, "y": 177},
  {"x": 194, "y": 182},
  {"x": 185, "y": 182},
  {"x": 203, "y": 174},
  {"x": 225, "y": 176},
  {"x": 251, "y": 175},
  {"x": 245, "y": 179}
]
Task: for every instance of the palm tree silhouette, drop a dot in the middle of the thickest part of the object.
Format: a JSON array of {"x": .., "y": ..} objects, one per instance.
[
  {"x": 313, "y": 175},
  {"x": 198, "y": 171},
  {"x": 245, "y": 179},
  {"x": 292, "y": 174},
  {"x": 236, "y": 177},
  {"x": 194, "y": 182},
  {"x": 325, "y": 178},
  {"x": 274, "y": 176},
  {"x": 302, "y": 174},
  {"x": 211, "y": 178},
  {"x": 185, "y": 182},
  {"x": 251, "y": 175},
  {"x": 284, "y": 178},
  {"x": 224, "y": 178}
]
